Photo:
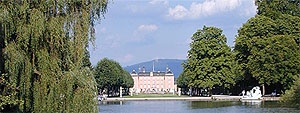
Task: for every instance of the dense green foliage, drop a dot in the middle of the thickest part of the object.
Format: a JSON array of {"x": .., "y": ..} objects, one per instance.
[
  {"x": 267, "y": 45},
  {"x": 272, "y": 8},
  {"x": 209, "y": 62},
  {"x": 292, "y": 96},
  {"x": 8, "y": 94},
  {"x": 183, "y": 80},
  {"x": 110, "y": 75},
  {"x": 286, "y": 15},
  {"x": 43, "y": 54}
]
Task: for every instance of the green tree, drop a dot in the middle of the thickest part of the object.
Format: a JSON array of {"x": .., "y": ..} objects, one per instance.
[
  {"x": 43, "y": 45},
  {"x": 209, "y": 60},
  {"x": 267, "y": 45},
  {"x": 272, "y": 8},
  {"x": 258, "y": 26},
  {"x": 292, "y": 96},
  {"x": 275, "y": 60},
  {"x": 110, "y": 75},
  {"x": 8, "y": 95},
  {"x": 183, "y": 81},
  {"x": 127, "y": 81}
]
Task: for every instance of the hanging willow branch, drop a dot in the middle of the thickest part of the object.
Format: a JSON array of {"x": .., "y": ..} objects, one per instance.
[{"x": 43, "y": 47}]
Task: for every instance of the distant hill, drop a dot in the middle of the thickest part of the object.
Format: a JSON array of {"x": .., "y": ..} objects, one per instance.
[{"x": 159, "y": 65}]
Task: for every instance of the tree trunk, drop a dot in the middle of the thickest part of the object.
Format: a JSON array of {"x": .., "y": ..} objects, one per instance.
[
  {"x": 210, "y": 91},
  {"x": 191, "y": 91},
  {"x": 2, "y": 46},
  {"x": 108, "y": 92}
]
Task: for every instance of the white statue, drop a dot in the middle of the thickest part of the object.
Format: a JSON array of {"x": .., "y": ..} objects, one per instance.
[
  {"x": 121, "y": 91},
  {"x": 243, "y": 92},
  {"x": 138, "y": 91},
  {"x": 255, "y": 93},
  {"x": 131, "y": 91}
]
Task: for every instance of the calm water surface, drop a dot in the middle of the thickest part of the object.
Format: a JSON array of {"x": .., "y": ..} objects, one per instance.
[{"x": 192, "y": 107}]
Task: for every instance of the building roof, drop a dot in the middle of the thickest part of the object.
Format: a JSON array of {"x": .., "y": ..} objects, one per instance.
[
  {"x": 144, "y": 73},
  {"x": 156, "y": 73},
  {"x": 168, "y": 72},
  {"x": 133, "y": 72},
  {"x": 159, "y": 73}
]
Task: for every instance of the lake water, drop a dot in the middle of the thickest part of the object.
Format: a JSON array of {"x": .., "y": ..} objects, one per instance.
[{"x": 192, "y": 107}]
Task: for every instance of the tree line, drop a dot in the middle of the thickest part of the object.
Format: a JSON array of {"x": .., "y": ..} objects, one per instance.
[{"x": 266, "y": 53}]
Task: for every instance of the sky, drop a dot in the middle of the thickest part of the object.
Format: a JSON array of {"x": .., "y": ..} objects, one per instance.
[{"x": 135, "y": 31}]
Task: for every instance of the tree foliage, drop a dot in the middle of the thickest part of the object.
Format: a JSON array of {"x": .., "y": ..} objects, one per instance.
[
  {"x": 209, "y": 60},
  {"x": 183, "y": 80},
  {"x": 292, "y": 96},
  {"x": 267, "y": 45},
  {"x": 275, "y": 60},
  {"x": 43, "y": 50},
  {"x": 109, "y": 74},
  {"x": 8, "y": 94},
  {"x": 272, "y": 8}
]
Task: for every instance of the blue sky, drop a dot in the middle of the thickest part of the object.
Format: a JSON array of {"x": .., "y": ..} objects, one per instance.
[{"x": 135, "y": 31}]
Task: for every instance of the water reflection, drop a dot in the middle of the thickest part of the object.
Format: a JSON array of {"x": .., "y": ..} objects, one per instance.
[
  {"x": 265, "y": 104},
  {"x": 192, "y": 107},
  {"x": 213, "y": 104}
]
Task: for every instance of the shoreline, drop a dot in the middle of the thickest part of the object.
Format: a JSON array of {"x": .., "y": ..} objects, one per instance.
[{"x": 213, "y": 98}]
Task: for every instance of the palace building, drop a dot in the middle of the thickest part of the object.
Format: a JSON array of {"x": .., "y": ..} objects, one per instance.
[{"x": 153, "y": 81}]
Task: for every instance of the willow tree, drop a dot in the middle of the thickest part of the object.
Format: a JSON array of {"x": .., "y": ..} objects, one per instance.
[
  {"x": 209, "y": 62},
  {"x": 43, "y": 47}
]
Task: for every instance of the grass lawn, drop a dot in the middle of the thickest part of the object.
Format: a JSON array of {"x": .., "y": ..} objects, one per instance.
[{"x": 153, "y": 95}]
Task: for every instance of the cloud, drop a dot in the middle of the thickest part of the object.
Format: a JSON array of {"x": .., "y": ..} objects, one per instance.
[
  {"x": 133, "y": 8},
  {"x": 103, "y": 30},
  {"x": 178, "y": 12},
  {"x": 249, "y": 10},
  {"x": 165, "y": 2},
  {"x": 110, "y": 41},
  {"x": 143, "y": 33},
  {"x": 127, "y": 58},
  {"x": 206, "y": 8},
  {"x": 147, "y": 27}
]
